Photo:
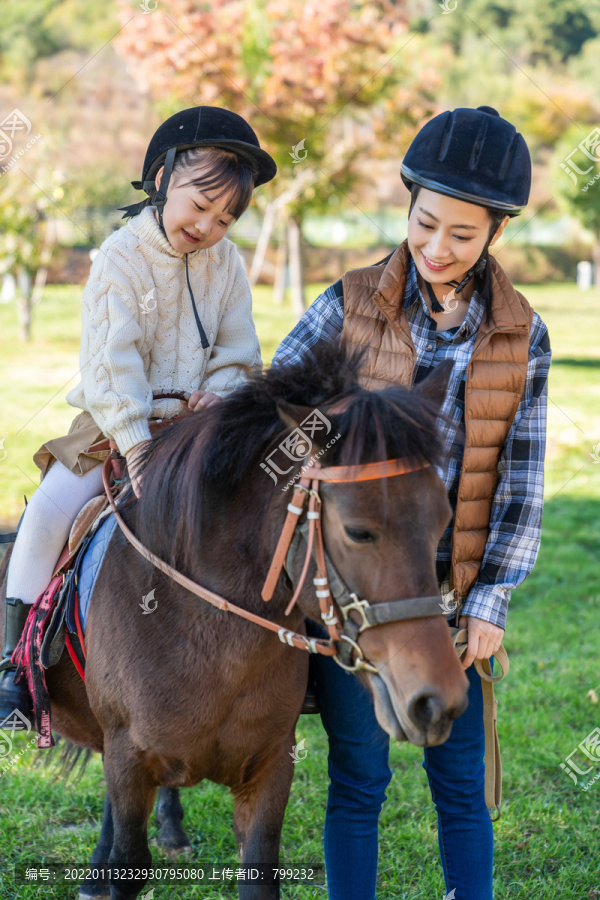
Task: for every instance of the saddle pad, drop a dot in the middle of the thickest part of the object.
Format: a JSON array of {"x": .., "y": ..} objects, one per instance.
[{"x": 91, "y": 564}]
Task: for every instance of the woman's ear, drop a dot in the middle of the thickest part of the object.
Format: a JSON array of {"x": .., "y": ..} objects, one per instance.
[{"x": 501, "y": 228}]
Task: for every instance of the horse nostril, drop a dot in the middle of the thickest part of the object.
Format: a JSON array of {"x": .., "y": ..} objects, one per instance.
[{"x": 425, "y": 710}]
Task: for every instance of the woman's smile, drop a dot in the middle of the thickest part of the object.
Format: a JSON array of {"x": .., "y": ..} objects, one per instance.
[{"x": 433, "y": 265}]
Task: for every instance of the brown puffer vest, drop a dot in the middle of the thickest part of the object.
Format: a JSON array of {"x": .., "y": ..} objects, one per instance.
[{"x": 374, "y": 317}]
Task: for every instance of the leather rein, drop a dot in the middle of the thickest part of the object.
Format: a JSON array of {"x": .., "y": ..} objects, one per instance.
[{"x": 330, "y": 588}]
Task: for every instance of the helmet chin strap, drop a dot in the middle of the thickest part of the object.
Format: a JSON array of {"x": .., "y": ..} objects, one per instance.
[
  {"x": 159, "y": 200},
  {"x": 477, "y": 269}
]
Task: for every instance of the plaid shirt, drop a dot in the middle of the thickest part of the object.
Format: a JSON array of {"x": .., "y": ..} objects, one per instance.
[{"x": 516, "y": 512}]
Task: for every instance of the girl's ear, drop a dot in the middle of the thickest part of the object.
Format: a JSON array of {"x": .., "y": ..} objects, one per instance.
[{"x": 158, "y": 177}]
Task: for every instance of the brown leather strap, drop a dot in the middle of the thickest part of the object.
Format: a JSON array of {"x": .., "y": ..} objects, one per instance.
[
  {"x": 366, "y": 472},
  {"x": 291, "y": 520},
  {"x": 493, "y": 760},
  {"x": 312, "y": 645}
]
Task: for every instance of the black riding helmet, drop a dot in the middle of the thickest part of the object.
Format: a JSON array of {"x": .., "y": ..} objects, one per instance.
[
  {"x": 197, "y": 127},
  {"x": 476, "y": 156}
]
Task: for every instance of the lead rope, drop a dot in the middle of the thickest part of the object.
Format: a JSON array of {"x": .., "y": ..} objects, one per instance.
[{"x": 493, "y": 760}]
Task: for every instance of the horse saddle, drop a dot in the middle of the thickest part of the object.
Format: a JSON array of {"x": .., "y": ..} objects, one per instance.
[{"x": 63, "y": 617}]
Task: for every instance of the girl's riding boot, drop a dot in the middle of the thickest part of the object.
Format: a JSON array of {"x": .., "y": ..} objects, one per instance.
[{"x": 13, "y": 696}]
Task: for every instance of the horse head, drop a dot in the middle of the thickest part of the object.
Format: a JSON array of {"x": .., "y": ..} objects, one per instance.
[{"x": 380, "y": 536}]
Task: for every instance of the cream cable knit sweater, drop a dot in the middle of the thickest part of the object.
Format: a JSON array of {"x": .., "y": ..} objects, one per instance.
[{"x": 139, "y": 333}]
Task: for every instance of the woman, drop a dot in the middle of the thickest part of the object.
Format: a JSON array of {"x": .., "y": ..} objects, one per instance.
[{"x": 439, "y": 296}]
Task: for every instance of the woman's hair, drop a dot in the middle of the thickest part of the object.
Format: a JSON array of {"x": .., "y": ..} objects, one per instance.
[
  {"x": 215, "y": 169},
  {"x": 483, "y": 282}
]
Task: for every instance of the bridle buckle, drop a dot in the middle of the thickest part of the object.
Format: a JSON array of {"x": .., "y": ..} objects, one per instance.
[{"x": 360, "y": 606}]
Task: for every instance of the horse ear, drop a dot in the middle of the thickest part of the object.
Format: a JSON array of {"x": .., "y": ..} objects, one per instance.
[
  {"x": 291, "y": 415},
  {"x": 435, "y": 385},
  {"x": 311, "y": 425}
]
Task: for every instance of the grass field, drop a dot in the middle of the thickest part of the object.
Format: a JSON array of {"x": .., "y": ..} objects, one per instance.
[{"x": 547, "y": 840}]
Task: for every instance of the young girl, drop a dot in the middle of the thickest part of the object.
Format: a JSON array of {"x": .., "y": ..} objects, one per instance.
[
  {"x": 439, "y": 296},
  {"x": 143, "y": 331}
]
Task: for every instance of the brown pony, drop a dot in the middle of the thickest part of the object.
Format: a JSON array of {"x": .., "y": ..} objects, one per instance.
[{"x": 193, "y": 692}]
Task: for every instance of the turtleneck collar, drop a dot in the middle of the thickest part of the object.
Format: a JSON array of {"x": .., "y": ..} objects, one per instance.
[{"x": 146, "y": 227}]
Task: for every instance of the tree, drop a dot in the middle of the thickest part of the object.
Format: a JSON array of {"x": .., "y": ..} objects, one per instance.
[
  {"x": 323, "y": 83},
  {"x": 27, "y": 235},
  {"x": 577, "y": 181}
]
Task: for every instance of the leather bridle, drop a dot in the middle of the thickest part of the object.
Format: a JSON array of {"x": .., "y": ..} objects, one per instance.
[{"x": 329, "y": 586}]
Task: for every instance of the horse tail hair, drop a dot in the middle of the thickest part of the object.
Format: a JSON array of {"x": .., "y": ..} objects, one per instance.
[{"x": 63, "y": 758}]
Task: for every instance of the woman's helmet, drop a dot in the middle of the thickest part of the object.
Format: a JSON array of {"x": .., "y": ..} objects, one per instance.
[
  {"x": 473, "y": 155},
  {"x": 195, "y": 127},
  {"x": 476, "y": 156}
]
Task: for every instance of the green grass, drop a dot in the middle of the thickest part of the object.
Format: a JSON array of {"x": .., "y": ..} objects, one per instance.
[{"x": 547, "y": 840}]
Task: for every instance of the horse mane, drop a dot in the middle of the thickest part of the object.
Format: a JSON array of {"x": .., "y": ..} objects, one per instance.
[{"x": 200, "y": 464}]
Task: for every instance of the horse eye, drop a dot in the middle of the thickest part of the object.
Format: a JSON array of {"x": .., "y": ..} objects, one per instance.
[{"x": 359, "y": 535}]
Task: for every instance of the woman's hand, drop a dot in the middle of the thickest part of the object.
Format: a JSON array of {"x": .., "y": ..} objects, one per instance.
[
  {"x": 483, "y": 639},
  {"x": 202, "y": 400},
  {"x": 132, "y": 456}
]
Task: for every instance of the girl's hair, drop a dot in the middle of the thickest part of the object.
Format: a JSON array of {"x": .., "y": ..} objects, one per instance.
[
  {"x": 221, "y": 169},
  {"x": 483, "y": 282}
]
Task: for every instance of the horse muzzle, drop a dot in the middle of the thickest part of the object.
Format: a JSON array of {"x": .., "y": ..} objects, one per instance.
[{"x": 425, "y": 721}]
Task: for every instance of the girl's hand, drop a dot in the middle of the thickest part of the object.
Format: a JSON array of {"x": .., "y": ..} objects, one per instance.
[
  {"x": 132, "y": 457},
  {"x": 483, "y": 639},
  {"x": 202, "y": 400}
]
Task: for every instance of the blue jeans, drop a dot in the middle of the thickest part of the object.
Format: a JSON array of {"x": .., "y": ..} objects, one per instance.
[{"x": 359, "y": 774}]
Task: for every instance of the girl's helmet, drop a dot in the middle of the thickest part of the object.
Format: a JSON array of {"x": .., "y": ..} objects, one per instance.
[
  {"x": 473, "y": 155},
  {"x": 195, "y": 127},
  {"x": 200, "y": 125}
]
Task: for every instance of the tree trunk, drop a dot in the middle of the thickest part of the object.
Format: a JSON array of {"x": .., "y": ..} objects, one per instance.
[
  {"x": 45, "y": 257},
  {"x": 24, "y": 303},
  {"x": 596, "y": 261},
  {"x": 294, "y": 190},
  {"x": 280, "y": 269},
  {"x": 296, "y": 269},
  {"x": 262, "y": 243}
]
